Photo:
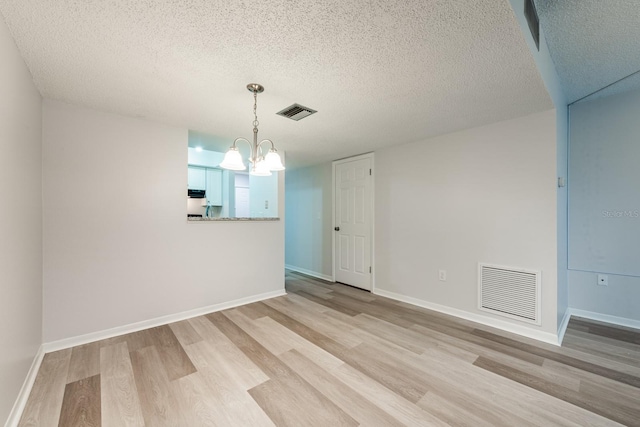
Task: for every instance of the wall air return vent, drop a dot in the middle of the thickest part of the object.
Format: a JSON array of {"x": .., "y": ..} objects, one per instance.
[
  {"x": 510, "y": 292},
  {"x": 532, "y": 19},
  {"x": 296, "y": 112}
]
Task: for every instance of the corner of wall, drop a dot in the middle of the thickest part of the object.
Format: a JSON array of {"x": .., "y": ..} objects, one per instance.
[
  {"x": 20, "y": 222},
  {"x": 551, "y": 79}
]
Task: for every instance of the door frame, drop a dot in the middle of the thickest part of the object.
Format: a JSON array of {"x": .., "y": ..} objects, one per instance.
[{"x": 372, "y": 227}]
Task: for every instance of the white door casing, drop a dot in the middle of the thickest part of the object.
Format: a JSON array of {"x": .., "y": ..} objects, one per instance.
[{"x": 353, "y": 210}]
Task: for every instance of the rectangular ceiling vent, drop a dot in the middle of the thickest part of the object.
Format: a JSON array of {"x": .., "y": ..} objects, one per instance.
[
  {"x": 531, "y": 15},
  {"x": 510, "y": 292},
  {"x": 296, "y": 112}
]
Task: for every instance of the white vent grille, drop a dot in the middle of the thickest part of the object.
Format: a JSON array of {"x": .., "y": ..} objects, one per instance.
[
  {"x": 510, "y": 292},
  {"x": 296, "y": 112}
]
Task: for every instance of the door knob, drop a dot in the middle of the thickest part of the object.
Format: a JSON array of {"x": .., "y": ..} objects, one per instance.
[{"x": 336, "y": 228}]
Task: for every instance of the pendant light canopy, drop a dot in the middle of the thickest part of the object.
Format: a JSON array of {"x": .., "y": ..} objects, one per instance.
[{"x": 261, "y": 165}]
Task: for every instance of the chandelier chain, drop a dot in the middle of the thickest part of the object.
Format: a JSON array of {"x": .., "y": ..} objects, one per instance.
[{"x": 255, "y": 108}]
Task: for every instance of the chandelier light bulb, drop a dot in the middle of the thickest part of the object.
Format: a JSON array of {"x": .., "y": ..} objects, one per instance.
[
  {"x": 260, "y": 168},
  {"x": 273, "y": 161},
  {"x": 233, "y": 160}
]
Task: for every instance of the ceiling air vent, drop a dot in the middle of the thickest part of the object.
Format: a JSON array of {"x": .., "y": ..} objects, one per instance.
[
  {"x": 296, "y": 112},
  {"x": 532, "y": 19}
]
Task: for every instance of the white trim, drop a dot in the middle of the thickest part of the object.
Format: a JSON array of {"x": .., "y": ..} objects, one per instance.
[
  {"x": 158, "y": 321},
  {"x": 562, "y": 328},
  {"x": 25, "y": 391},
  {"x": 373, "y": 223},
  {"x": 333, "y": 221},
  {"x": 478, "y": 318},
  {"x": 371, "y": 157},
  {"x": 607, "y": 318},
  {"x": 309, "y": 272}
]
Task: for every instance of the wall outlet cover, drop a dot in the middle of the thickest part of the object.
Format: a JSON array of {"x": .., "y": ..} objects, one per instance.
[
  {"x": 442, "y": 275},
  {"x": 603, "y": 280}
]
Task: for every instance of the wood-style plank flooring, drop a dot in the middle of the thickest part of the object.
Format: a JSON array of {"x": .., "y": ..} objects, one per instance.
[{"x": 331, "y": 355}]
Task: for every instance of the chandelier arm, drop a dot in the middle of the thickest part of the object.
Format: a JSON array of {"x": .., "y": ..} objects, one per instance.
[
  {"x": 250, "y": 146},
  {"x": 269, "y": 141},
  {"x": 259, "y": 146},
  {"x": 241, "y": 139}
]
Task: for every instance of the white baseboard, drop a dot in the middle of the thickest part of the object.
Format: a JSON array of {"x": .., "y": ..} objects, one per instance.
[
  {"x": 562, "y": 328},
  {"x": 607, "y": 318},
  {"x": 478, "y": 318},
  {"x": 158, "y": 321},
  {"x": 309, "y": 272},
  {"x": 25, "y": 391}
]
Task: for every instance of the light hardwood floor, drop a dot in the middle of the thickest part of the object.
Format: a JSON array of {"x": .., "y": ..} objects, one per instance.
[{"x": 330, "y": 355}]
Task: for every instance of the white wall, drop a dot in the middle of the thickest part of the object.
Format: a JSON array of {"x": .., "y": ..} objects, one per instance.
[
  {"x": 604, "y": 210},
  {"x": 308, "y": 228},
  {"x": 117, "y": 246},
  {"x": 20, "y": 221},
  {"x": 486, "y": 194}
]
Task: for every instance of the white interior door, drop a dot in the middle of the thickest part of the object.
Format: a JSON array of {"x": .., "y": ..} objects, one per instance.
[
  {"x": 242, "y": 202},
  {"x": 353, "y": 221}
]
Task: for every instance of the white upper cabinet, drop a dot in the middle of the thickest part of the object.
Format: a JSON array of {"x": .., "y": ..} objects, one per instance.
[
  {"x": 214, "y": 187},
  {"x": 197, "y": 178}
]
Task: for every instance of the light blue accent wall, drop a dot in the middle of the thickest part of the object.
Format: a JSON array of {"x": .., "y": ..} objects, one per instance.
[
  {"x": 308, "y": 227},
  {"x": 228, "y": 194},
  {"x": 604, "y": 207},
  {"x": 562, "y": 201},
  {"x": 204, "y": 158},
  {"x": 550, "y": 77},
  {"x": 263, "y": 199},
  {"x": 604, "y": 226}
]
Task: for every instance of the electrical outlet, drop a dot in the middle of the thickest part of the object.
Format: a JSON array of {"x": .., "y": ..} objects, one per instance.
[
  {"x": 442, "y": 275},
  {"x": 603, "y": 280},
  {"x": 266, "y": 204}
]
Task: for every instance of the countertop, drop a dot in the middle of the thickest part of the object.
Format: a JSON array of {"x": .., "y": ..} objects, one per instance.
[{"x": 196, "y": 219}]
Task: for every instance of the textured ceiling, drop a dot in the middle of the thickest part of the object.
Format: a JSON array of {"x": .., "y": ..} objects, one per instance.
[
  {"x": 378, "y": 72},
  {"x": 593, "y": 43}
]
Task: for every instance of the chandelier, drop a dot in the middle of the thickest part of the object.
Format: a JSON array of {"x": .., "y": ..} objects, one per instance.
[{"x": 261, "y": 165}]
